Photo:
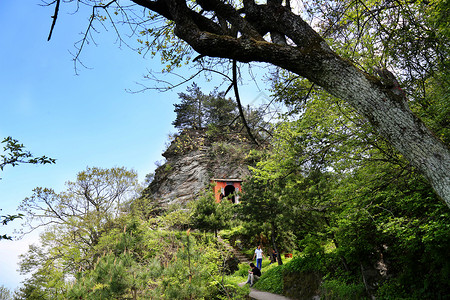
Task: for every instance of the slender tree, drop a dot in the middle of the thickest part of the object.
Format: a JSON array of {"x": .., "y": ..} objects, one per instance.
[{"x": 73, "y": 222}]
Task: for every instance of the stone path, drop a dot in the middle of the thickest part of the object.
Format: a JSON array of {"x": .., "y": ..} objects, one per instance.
[{"x": 260, "y": 295}]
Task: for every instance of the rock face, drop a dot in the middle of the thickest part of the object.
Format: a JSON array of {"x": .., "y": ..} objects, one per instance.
[{"x": 192, "y": 159}]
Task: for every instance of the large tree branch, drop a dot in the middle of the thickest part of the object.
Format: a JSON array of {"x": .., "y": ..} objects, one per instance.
[
  {"x": 312, "y": 58},
  {"x": 227, "y": 12}
]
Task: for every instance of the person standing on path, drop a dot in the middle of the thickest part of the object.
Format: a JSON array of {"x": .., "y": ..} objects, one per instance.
[{"x": 259, "y": 257}]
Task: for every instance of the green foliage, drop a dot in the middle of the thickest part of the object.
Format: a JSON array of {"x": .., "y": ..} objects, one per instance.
[
  {"x": 209, "y": 215},
  {"x": 336, "y": 290},
  {"x": 328, "y": 188},
  {"x": 353, "y": 200},
  {"x": 230, "y": 152},
  {"x": 311, "y": 263},
  {"x": 80, "y": 216},
  {"x": 15, "y": 154},
  {"x": 183, "y": 282},
  {"x": 5, "y": 220},
  {"x": 266, "y": 213},
  {"x": 34, "y": 288},
  {"x": 235, "y": 236},
  {"x": 175, "y": 217},
  {"x": 421, "y": 238},
  {"x": 113, "y": 277},
  {"x": 271, "y": 280},
  {"x": 9, "y": 218},
  {"x": 145, "y": 207},
  {"x": 119, "y": 268},
  {"x": 217, "y": 116},
  {"x": 229, "y": 289},
  {"x": 434, "y": 108},
  {"x": 410, "y": 36},
  {"x": 242, "y": 272},
  {"x": 152, "y": 264},
  {"x": 312, "y": 246},
  {"x": 5, "y": 293},
  {"x": 96, "y": 197},
  {"x": 198, "y": 110},
  {"x": 228, "y": 234},
  {"x": 186, "y": 142},
  {"x": 394, "y": 289},
  {"x": 191, "y": 272},
  {"x": 173, "y": 52}
]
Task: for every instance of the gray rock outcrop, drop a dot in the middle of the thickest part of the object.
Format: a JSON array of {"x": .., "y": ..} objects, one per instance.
[{"x": 192, "y": 160}]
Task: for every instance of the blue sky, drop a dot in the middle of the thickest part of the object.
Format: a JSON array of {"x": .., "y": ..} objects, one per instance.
[{"x": 82, "y": 120}]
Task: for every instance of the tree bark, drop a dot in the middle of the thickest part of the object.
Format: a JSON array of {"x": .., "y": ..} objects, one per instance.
[
  {"x": 311, "y": 57},
  {"x": 274, "y": 244}
]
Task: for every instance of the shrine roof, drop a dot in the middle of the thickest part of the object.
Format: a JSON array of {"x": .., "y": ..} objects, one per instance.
[{"x": 227, "y": 179}]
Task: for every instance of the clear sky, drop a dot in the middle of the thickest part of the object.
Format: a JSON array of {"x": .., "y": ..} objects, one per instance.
[{"x": 81, "y": 120}]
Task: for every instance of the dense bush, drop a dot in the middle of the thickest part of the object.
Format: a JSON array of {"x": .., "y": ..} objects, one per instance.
[
  {"x": 271, "y": 280},
  {"x": 336, "y": 290}
]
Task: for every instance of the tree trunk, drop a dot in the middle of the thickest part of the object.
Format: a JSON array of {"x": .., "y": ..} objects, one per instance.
[{"x": 274, "y": 244}]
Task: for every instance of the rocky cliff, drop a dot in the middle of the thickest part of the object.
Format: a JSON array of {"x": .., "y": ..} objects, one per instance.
[{"x": 192, "y": 159}]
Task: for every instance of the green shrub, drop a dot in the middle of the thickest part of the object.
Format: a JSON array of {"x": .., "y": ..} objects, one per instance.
[
  {"x": 243, "y": 270},
  {"x": 265, "y": 264},
  {"x": 336, "y": 290},
  {"x": 230, "y": 289},
  {"x": 175, "y": 218},
  {"x": 228, "y": 234},
  {"x": 305, "y": 264},
  {"x": 271, "y": 280},
  {"x": 392, "y": 289}
]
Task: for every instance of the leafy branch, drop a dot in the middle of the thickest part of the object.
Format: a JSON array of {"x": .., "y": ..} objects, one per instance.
[
  {"x": 4, "y": 220},
  {"x": 15, "y": 154}
]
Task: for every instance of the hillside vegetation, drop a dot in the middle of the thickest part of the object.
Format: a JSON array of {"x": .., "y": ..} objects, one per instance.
[{"x": 360, "y": 220}]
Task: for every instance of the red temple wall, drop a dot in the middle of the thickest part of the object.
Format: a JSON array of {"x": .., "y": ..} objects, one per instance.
[{"x": 219, "y": 185}]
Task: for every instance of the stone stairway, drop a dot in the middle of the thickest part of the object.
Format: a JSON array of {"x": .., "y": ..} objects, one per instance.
[{"x": 240, "y": 256}]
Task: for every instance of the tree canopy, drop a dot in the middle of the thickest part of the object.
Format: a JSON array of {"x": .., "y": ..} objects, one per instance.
[
  {"x": 348, "y": 206},
  {"x": 344, "y": 183},
  {"x": 279, "y": 34},
  {"x": 74, "y": 221},
  {"x": 197, "y": 110},
  {"x": 331, "y": 183}
]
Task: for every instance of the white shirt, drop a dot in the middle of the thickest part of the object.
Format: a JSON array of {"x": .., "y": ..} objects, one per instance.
[{"x": 258, "y": 253}]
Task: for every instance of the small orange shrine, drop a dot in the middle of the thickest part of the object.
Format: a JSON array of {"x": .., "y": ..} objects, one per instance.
[{"x": 227, "y": 188}]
